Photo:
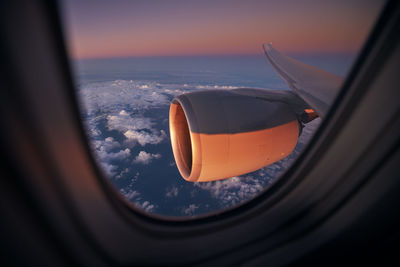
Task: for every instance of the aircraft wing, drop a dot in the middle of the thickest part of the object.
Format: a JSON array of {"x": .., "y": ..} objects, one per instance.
[{"x": 315, "y": 86}]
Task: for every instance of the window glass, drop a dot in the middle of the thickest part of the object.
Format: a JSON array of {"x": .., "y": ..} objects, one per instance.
[{"x": 130, "y": 59}]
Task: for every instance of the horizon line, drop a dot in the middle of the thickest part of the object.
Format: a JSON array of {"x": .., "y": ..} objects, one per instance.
[{"x": 213, "y": 55}]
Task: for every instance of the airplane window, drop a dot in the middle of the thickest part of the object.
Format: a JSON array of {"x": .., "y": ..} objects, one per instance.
[{"x": 188, "y": 107}]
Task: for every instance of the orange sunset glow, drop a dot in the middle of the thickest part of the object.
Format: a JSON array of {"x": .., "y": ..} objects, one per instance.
[{"x": 101, "y": 29}]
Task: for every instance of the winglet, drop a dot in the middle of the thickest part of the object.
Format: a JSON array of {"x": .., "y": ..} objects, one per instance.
[{"x": 315, "y": 86}]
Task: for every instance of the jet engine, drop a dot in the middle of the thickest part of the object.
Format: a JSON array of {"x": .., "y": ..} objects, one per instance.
[{"x": 216, "y": 134}]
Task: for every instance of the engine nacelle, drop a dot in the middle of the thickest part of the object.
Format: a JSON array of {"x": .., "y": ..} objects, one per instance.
[{"x": 217, "y": 134}]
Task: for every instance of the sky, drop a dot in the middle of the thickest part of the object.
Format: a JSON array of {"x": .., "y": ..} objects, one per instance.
[{"x": 137, "y": 28}]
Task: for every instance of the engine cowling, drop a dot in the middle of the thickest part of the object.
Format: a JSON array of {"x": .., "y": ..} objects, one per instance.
[{"x": 217, "y": 134}]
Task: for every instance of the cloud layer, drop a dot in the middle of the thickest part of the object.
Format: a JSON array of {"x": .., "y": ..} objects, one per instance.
[{"x": 145, "y": 158}]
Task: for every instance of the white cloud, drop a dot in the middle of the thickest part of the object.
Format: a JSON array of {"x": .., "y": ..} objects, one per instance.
[
  {"x": 136, "y": 129},
  {"x": 129, "y": 191},
  {"x": 122, "y": 173},
  {"x": 93, "y": 131},
  {"x": 233, "y": 190},
  {"x": 146, "y": 206},
  {"x": 144, "y": 138},
  {"x": 105, "y": 157},
  {"x": 106, "y": 144},
  {"x": 124, "y": 123},
  {"x": 116, "y": 95},
  {"x": 108, "y": 156},
  {"x": 172, "y": 192},
  {"x": 109, "y": 169},
  {"x": 123, "y": 113},
  {"x": 227, "y": 87},
  {"x": 134, "y": 179},
  {"x": 135, "y": 197},
  {"x": 189, "y": 211},
  {"x": 104, "y": 153},
  {"x": 130, "y": 194},
  {"x": 145, "y": 158}
]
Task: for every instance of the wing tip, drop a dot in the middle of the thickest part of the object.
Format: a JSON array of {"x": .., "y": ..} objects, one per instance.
[{"x": 267, "y": 47}]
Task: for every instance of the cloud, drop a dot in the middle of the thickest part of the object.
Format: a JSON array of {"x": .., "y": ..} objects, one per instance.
[
  {"x": 123, "y": 113},
  {"x": 136, "y": 129},
  {"x": 131, "y": 194},
  {"x": 108, "y": 168},
  {"x": 146, "y": 206},
  {"x": 103, "y": 152},
  {"x": 108, "y": 156},
  {"x": 124, "y": 123},
  {"x": 122, "y": 173},
  {"x": 144, "y": 138},
  {"x": 121, "y": 104},
  {"x": 107, "y": 144},
  {"x": 145, "y": 158},
  {"x": 135, "y": 197},
  {"x": 227, "y": 87},
  {"x": 93, "y": 131},
  {"x": 172, "y": 164},
  {"x": 189, "y": 211},
  {"x": 233, "y": 190},
  {"x": 116, "y": 95},
  {"x": 104, "y": 158},
  {"x": 172, "y": 192}
]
